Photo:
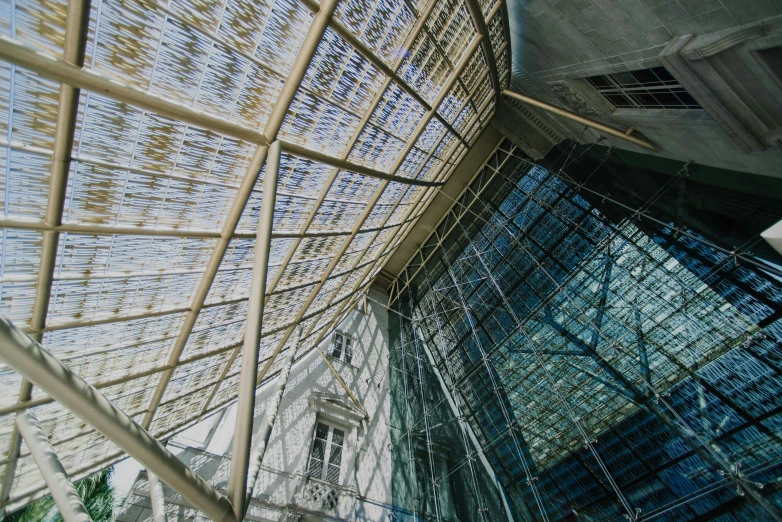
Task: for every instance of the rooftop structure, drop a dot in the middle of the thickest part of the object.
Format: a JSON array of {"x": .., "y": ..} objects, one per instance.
[{"x": 459, "y": 260}]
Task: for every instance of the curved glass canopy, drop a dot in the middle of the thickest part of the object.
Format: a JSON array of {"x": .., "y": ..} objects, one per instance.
[{"x": 133, "y": 135}]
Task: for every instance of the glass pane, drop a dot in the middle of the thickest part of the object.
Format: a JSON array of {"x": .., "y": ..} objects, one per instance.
[
  {"x": 598, "y": 81},
  {"x": 333, "y": 474},
  {"x": 336, "y": 350},
  {"x": 663, "y": 74},
  {"x": 322, "y": 431},
  {"x": 668, "y": 100},
  {"x": 646, "y": 77},
  {"x": 348, "y": 350},
  {"x": 335, "y": 457},
  {"x": 319, "y": 449},
  {"x": 316, "y": 468},
  {"x": 337, "y": 437}
]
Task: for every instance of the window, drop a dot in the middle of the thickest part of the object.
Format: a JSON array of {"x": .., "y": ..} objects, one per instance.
[
  {"x": 342, "y": 347},
  {"x": 326, "y": 456},
  {"x": 771, "y": 59},
  {"x": 645, "y": 89}
]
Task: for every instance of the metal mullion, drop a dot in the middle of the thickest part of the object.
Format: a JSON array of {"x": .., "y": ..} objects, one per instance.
[
  {"x": 453, "y": 226},
  {"x": 335, "y": 172},
  {"x": 480, "y": 25},
  {"x": 496, "y": 388},
  {"x": 303, "y": 152},
  {"x": 102, "y": 230},
  {"x": 378, "y": 193},
  {"x": 28, "y": 358},
  {"x": 391, "y": 240},
  {"x": 312, "y": 282},
  {"x": 59, "y": 70},
  {"x": 509, "y": 220},
  {"x": 74, "y": 50},
  {"x": 568, "y": 408},
  {"x": 457, "y": 408},
  {"x": 708, "y": 457},
  {"x": 658, "y": 264},
  {"x": 413, "y": 207},
  {"x": 359, "y": 46},
  {"x": 287, "y": 95},
  {"x": 120, "y": 380},
  {"x": 268, "y": 360}
]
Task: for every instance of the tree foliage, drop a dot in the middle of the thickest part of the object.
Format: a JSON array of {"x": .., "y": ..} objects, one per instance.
[{"x": 96, "y": 492}]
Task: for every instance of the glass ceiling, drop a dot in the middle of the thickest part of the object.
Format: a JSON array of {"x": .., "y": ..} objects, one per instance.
[{"x": 132, "y": 262}]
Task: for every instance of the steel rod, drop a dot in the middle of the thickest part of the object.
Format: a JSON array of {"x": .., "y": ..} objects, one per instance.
[
  {"x": 156, "y": 497},
  {"x": 480, "y": 24},
  {"x": 74, "y": 48},
  {"x": 292, "y": 83},
  {"x": 559, "y": 111},
  {"x": 106, "y": 230},
  {"x": 420, "y": 200},
  {"x": 303, "y": 152},
  {"x": 245, "y": 408},
  {"x": 41, "y": 368},
  {"x": 269, "y": 417},
  {"x": 445, "y": 89},
  {"x": 341, "y": 381},
  {"x": 60, "y": 70},
  {"x": 60, "y": 486},
  {"x": 420, "y": 25}
]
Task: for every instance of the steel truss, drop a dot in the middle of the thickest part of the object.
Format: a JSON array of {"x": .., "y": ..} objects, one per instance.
[{"x": 31, "y": 360}]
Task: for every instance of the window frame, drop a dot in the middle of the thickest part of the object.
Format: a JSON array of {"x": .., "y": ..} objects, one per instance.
[
  {"x": 346, "y": 349},
  {"x": 629, "y": 90},
  {"x": 327, "y": 452}
]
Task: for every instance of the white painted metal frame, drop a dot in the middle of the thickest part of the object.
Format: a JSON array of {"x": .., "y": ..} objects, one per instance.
[{"x": 69, "y": 389}]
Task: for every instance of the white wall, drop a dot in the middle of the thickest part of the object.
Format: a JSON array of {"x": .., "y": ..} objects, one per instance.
[{"x": 366, "y": 468}]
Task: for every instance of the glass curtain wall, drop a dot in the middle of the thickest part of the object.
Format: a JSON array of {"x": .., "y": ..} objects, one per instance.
[{"x": 609, "y": 365}]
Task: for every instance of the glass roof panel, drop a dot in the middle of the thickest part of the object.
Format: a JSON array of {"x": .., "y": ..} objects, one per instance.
[{"x": 154, "y": 246}]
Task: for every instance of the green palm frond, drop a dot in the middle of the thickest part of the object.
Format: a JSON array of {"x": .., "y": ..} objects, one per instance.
[{"x": 96, "y": 492}]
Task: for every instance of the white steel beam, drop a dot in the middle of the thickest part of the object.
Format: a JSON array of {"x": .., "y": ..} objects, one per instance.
[
  {"x": 379, "y": 192},
  {"x": 303, "y": 152},
  {"x": 41, "y": 368},
  {"x": 420, "y": 201},
  {"x": 354, "y": 139},
  {"x": 107, "y": 230},
  {"x": 271, "y": 287},
  {"x": 389, "y": 71},
  {"x": 60, "y": 70},
  {"x": 157, "y": 498},
  {"x": 76, "y": 26},
  {"x": 64, "y": 494},
  {"x": 119, "y": 380},
  {"x": 292, "y": 82},
  {"x": 267, "y": 423},
  {"x": 480, "y": 24},
  {"x": 450, "y": 229},
  {"x": 583, "y": 120},
  {"x": 245, "y": 408}
]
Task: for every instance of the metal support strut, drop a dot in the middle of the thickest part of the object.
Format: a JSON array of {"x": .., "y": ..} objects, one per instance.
[
  {"x": 267, "y": 423},
  {"x": 65, "y": 496},
  {"x": 601, "y": 127},
  {"x": 245, "y": 408},
  {"x": 156, "y": 497},
  {"x": 36, "y": 364}
]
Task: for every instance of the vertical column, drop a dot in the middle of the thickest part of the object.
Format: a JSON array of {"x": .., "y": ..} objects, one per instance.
[
  {"x": 245, "y": 408},
  {"x": 65, "y": 496}
]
